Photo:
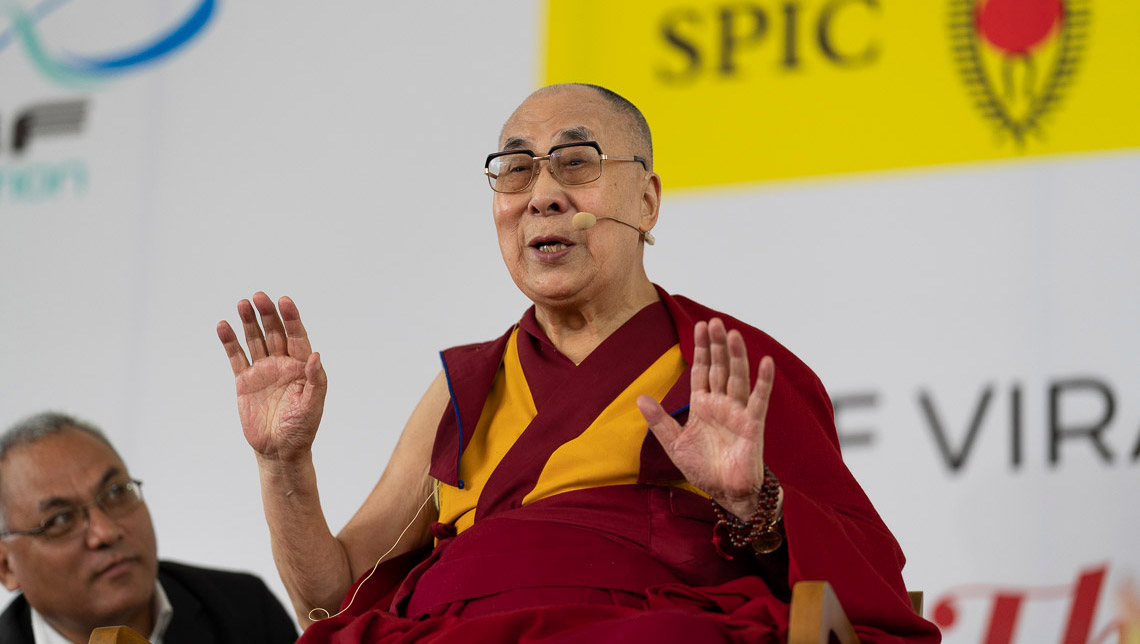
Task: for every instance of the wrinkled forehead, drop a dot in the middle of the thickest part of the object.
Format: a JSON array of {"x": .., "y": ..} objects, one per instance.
[
  {"x": 70, "y": 465},
  {"x": 564, "y": 115}
]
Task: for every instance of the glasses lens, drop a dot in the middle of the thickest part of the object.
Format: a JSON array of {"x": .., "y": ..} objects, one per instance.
[
  {"x": 120, "y": 498},
  {"x": 62, "y": 523},
  {"x": 511, "y": 172},
  {"x": 576, "y": 164}
]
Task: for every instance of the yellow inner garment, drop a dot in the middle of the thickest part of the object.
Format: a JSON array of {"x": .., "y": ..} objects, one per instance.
[{"x": 607, "y": 453}]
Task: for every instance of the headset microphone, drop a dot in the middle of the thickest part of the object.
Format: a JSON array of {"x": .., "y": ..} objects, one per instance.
[{"x": 584, "y": 220}]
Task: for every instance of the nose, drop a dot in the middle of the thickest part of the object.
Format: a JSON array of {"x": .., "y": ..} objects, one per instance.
[
  {"x": 547, "y": 195},
  {"x": 100, "y": 528}
]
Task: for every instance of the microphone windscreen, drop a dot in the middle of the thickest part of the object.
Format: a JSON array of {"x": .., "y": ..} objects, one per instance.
[{"x": 584, "y": 220}]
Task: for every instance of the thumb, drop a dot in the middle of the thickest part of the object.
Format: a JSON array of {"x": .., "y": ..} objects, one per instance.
[
  {"x": 316, "y": 381},
  {"x": 663, "y": 426}
]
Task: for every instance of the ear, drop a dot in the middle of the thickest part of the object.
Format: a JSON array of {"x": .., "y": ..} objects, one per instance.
[
  {"x": 650, "y": 202},
  {"x": 7, "y": 575}
]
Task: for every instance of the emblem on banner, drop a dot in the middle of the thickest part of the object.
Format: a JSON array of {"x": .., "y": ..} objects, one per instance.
[
  {"x": 1018, "y": 57},
  {"x": 75, "y": 71}
]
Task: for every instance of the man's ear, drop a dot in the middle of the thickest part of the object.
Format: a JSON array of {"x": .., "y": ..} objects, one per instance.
[
  {"x": 650, "y": 202},
  {"x": 7, "y": 575}
]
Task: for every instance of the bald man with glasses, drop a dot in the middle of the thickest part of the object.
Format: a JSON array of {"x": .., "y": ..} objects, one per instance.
[
  {"x": 76, "y": 540},
  {"x": 606, "y": 470}
]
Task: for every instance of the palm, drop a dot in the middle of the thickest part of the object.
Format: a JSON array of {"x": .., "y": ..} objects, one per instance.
[
  {"x": 271, "y": 405},
  {"x": 280, "y": 394},
  {"x": 720, "y": 449}
]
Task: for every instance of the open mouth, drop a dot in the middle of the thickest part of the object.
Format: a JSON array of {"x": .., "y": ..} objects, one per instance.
[
  {"x": 550, "y": 247},
  {"x": 550, "y": 244}
]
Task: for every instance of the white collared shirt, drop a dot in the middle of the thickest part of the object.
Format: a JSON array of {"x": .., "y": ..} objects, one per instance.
[{"x": 43, "y": 633}]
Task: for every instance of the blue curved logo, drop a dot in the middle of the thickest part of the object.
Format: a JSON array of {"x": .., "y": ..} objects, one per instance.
[{"x": 77, "y": 71}]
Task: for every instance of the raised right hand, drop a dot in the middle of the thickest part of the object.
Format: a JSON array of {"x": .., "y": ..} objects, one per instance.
[{"x": 281, "y": 395}]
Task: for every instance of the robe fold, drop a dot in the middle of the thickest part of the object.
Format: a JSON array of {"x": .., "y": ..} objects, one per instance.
[{"x": 538, "y": 543}]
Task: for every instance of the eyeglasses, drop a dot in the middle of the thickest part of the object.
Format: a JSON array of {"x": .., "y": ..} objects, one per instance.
[
  {"x": 116, "y": 501},
  {"x": 571, "y": 164}
]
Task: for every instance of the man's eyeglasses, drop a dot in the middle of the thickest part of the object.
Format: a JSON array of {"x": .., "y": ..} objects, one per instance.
[
  {"x": 571, "y": 164},
  {"x": 116, "y": 501}
]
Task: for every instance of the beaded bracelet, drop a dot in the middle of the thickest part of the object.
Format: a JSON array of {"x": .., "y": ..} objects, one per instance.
[{"x": 759, "y": 531}]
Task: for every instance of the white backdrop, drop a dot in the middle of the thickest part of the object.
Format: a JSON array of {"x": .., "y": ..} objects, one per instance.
[{"x": 333, "y": 154}]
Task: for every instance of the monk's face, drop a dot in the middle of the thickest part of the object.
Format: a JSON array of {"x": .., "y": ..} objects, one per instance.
[
  {"x": 551, "y": 261},
  {"x": 104, "y": 574}
]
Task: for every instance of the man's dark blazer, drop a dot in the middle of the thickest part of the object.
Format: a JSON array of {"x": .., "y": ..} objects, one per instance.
[{"x": 210, "y": 607}]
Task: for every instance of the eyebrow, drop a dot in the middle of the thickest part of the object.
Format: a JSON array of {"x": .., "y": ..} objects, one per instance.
[
  {"x": 516, "y": 143},
  {"x": 61, "y": 502},
  {"x": 569, "y": 135},
  {"x": 576, "y": 133}
]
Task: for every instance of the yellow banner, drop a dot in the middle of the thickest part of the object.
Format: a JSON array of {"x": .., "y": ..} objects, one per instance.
[{"x": 773, "y": 89}]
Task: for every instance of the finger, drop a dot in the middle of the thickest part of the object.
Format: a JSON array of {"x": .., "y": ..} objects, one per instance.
[
  {"x": 234, "y": 352},
  {"x": 298, "y": 339},
  {"x": 316, "y": 381},
  {"x": 699, "y": 378},
  {"x": 253, "y": 338},
  {"x": 738, "y": 383},
  {"x": 762, "y": 392},
  {"x": 663, "y": 426},
  {"x": 274, "y": 331},
  {"x": 718, "y": 355}
]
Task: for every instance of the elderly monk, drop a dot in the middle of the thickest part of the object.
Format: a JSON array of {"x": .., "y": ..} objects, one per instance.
[{"x": 604, "y": 471}]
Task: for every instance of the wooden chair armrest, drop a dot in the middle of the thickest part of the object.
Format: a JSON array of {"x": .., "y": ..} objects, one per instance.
[
  {"x": 916, "y": 601},
  {"x": 816, "y": 615},
  {"x": 116, "y": 635}
]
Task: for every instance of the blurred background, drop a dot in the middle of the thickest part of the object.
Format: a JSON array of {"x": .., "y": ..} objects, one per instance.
[{"x": 935, "y": 206}]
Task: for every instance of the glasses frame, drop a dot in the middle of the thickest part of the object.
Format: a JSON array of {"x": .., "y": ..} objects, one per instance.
[
  {"x": 539, "y": 159},
  {"x": 83, "y": 508}
]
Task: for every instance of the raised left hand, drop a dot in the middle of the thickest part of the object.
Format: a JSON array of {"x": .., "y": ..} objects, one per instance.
[{"x": 720, "y": 449}]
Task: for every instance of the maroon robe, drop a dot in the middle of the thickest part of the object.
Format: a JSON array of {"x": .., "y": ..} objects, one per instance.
[{"x": 631, "y": 562}]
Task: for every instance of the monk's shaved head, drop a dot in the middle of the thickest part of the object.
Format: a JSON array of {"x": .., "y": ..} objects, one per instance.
[{"x": 637, "y": 127}]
